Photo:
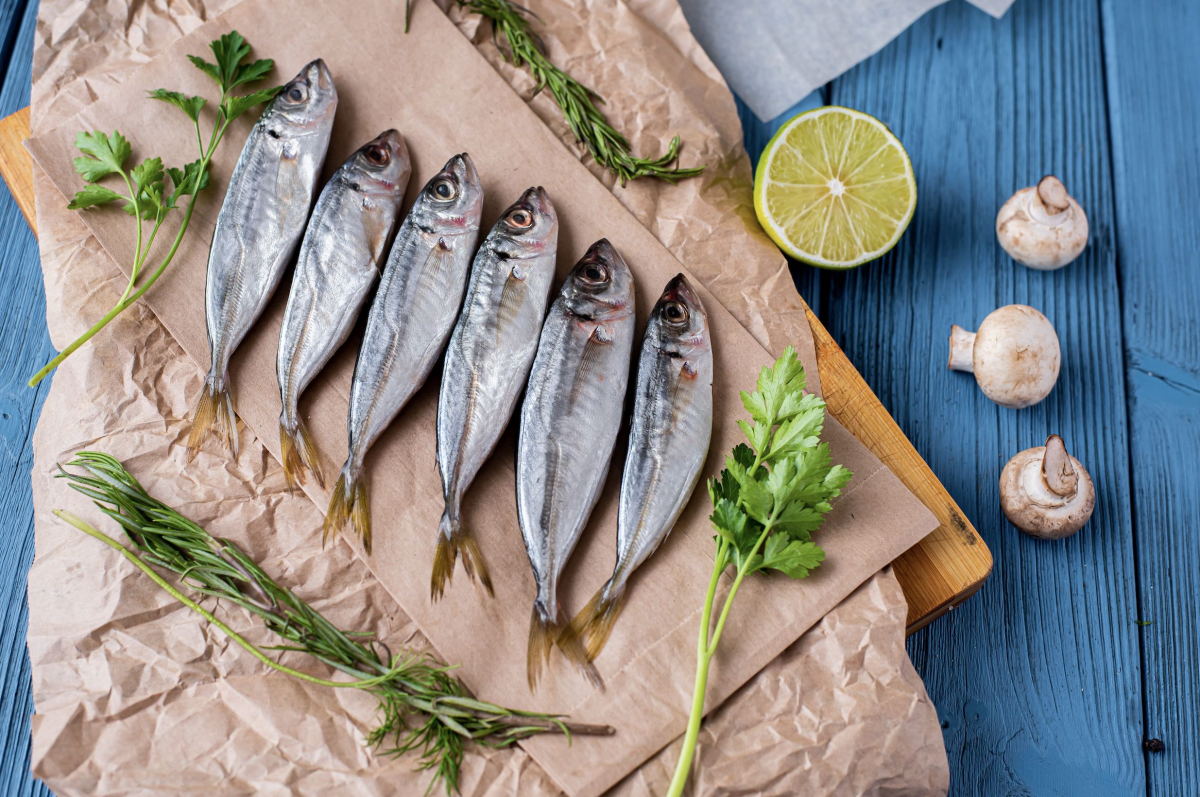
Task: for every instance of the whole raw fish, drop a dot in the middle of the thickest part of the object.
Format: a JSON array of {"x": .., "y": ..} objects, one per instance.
[
  {"x": 411, "y": 317},
  {"x": 260, "y": 223},
  {"x": 339, "y": 261},
  {"x": 488, "y": 361},
  {"x": 569, "y": 424},
  {"x": 668, "y": 443}
]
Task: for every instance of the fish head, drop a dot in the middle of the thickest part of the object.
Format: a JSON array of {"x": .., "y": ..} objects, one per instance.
[
  {"x": 678, "y": 320},
  {"x": 380, "y": 166},
  {"x": 601, "y": 284},
  {"x": 528, "y": 228},
  {"x": 452, "y": 201},
  {"x": 308, "y": 100}
]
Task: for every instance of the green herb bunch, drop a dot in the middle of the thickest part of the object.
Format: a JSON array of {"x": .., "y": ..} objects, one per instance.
[
  {"x": 152, "y": 190},
  {"x": 578, "y": 103},
  {"x": 773, "y": 494},
  {"x": 424, "y": 709}
]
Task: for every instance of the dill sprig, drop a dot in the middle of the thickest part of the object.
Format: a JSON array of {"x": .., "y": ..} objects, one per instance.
[
  {"x": 423, "y": 708},
  {"x": 577, "y": 102}
]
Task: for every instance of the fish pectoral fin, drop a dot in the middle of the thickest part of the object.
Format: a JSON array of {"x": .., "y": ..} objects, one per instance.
[
  {"x": 435, "y": 264},
  {"x": 376, "y": 229},
  {"x": 600, "y": 338},
  {"x": 511, "y": 299}
]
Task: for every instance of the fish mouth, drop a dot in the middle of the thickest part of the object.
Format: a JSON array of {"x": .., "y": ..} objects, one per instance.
[
  {"x": 679, "y": 289},
  {"x": 318, "y": 75},
  {"x": 462, "y": 168},
  {"x": 537, "y": 201}
]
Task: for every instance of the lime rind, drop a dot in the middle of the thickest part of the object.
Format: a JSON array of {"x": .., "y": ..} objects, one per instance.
[{"x": 802, "y": 201}]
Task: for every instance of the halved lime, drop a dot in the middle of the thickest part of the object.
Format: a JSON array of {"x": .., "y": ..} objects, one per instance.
[{"x": 834, "y": 188}]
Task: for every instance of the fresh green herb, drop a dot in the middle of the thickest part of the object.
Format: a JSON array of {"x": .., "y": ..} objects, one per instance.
[
  {"x": 147, "y": 196},
  {"x": 577, "y": 101},
  {"x": 424, "y": 709},
  {"x": 767, "y": 502}
]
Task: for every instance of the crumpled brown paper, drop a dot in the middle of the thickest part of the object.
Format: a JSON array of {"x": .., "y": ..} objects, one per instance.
[{"x": 113, "y": 678}]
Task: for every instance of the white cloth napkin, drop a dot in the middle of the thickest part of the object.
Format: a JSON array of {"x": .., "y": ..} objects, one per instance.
[{"x": 773, "y": 52}]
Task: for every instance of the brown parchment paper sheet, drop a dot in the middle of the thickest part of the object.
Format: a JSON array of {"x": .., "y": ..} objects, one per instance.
[{"x": 135, "y": 695}]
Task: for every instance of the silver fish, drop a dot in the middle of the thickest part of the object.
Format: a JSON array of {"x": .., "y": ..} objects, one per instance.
[
  {"x": 411, "y": 317},
  {"x": 668, "y": 443},
  {"x": 260, "y": 223},
  {"x": 488, "y": 361},
  {"x": 339, "y": 261},
  {"x": 569, "y": 424}
]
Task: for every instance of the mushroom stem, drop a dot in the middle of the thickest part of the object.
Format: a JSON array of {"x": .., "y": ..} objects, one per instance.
[
  {"x": 1053, "y": 195},
  {"x": 962, "y": 346},
  {"x": 1057, "y": 471}
]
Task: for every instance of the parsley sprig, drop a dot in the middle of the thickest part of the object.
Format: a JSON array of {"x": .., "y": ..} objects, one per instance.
[
  {"x": 153, "y": 191},
  {"x": 770, "y": 498}
]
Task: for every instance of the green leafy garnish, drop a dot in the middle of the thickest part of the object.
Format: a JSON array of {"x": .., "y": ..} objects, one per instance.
[
  {"x": 149, "y": 198},
  {"x": 423, "y": 708},
  {"x": 577, "y": 102},
  {"x": 770, "y": 498}
]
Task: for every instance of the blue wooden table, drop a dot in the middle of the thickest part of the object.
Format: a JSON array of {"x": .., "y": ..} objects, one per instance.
[{"x": 1049, "y": 681}]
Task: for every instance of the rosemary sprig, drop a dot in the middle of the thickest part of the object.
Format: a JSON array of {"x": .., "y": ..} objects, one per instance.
[
  {"x": 149, "y": 201},
  {"x": 577, "y": 101},
  {"x": 424, "y": 709}
]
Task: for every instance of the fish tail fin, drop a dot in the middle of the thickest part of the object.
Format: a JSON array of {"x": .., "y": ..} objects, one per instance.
[
  {"x": 542, "y": 632},
  {"x": 214, "y": 413},
  {"x": 453, "y": 540},
  {"x": 593, "y": 625},
  {"x": 572, "y": 647},
  {"x": 349, "y": 504},
  {"x": 299, "y": 454}
]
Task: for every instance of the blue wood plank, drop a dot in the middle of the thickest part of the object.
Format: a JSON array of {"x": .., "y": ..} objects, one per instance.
[
  {"x": 24, "y": 346},
  {"x": 1153, "y": 86},
  {"x": 1037, "y": 678}
]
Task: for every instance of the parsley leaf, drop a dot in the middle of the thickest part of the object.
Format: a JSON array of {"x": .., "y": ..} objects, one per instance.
[
  {"x": 189, "y": 105},
  {"x": 235, "y": 106},
  {"x": 792, "y": 558},
  {"x": 104, "y": 154},
  {"x": 93, "y": 195}
]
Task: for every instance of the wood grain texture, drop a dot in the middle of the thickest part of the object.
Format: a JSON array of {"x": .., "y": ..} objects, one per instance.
[
  {"x": 1154, "y": 118},
  {"x": 24, "y": 347},
  {"x": 1037, "y": 679}
]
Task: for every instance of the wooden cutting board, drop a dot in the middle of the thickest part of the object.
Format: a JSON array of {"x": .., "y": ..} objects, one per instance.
[{"x": 937, "y": 574}]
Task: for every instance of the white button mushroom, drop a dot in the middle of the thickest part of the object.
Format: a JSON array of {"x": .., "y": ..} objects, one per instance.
[
  {"x": 1046, "y": 492},
  {"x": 1014, "y": 355},
  {"x": 1041, "y": 226}
]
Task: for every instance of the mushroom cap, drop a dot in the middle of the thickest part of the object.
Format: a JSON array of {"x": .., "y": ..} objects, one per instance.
[
  {"x": 1016, "y": 357},
  {"x": 1047, "y": 495},
  {"x": 1042, "y": 226}
]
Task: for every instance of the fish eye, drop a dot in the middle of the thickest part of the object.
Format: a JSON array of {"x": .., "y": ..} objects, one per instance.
[
  {"x": 297, "y": 92},
  {"x": 520, "y": 218},
  {"x": 674, "y": 312},
  {"x": 377, "y": 155},
  {"x": 444, "y": 190},
  {"x": 594, "y": 273}
]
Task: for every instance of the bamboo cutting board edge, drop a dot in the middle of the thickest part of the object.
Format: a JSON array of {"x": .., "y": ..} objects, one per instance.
[{"x": 937, "y": 574}]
